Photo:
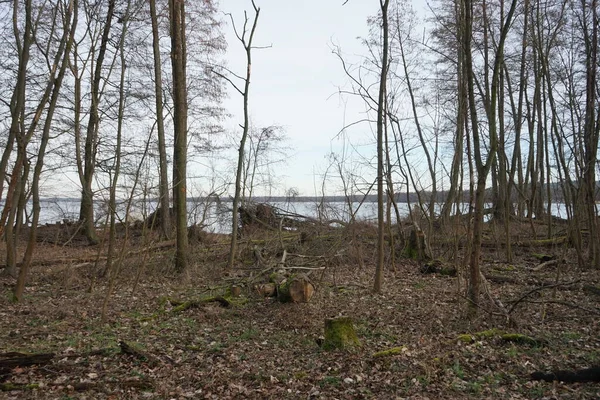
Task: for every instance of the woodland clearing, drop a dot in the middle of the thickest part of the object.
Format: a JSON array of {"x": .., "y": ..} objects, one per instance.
[{"x": 416, "y": 339}]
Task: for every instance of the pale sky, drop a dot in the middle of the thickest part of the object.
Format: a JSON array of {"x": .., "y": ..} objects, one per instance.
[{"x": 295, "y": 82}]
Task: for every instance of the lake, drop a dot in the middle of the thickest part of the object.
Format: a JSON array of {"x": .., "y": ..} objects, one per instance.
[{"x": 217, "y": 216}]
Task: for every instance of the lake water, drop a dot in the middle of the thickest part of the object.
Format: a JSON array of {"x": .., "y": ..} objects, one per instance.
[{"x": 216, "y": 215}]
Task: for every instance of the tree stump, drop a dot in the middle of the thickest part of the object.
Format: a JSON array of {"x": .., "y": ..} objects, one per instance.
[
  {"x": 340, "y": 334},
  {"x": 416, "y": 245},
  {"x": 295, "y": 289},
  {"x": 266, "y": 289}
]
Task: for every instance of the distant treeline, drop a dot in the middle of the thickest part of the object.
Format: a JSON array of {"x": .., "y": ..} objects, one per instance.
[{"x": 413, "y": 197}]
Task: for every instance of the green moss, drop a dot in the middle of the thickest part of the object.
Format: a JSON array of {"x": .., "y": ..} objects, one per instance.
[
  {"x": 448, "y": 271},
  {"x": 489, "y": 333},
  {"x": 300, "y": 375},
  {"x": 520, "y": 339},
  {"x": 410, "y": 252},
  {"x": 8, "y": 386},
  {"x": 276, "y": 278},
  {"x": 471, "y": 337},
  {"x": 506, "y": 268},
  {"x": 330, "y": 381},
  {"x": 549, "y": 242},
  {"x": 283, "y": 290},
  {"x": 494, "y": 332},
  {"x": 543, "y": 257},
  {"x": 466, "y": 338},
  {"x": 236, "y": 301},
  {"x": 340, "y": 334},
  {"x": 225, "y": 301},
  {"x": 389, "y": 352}
]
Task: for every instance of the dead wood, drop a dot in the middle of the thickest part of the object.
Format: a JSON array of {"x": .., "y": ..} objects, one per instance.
[
  {"x": 340, "y": 334},
  {"x": 503, "y": 279},
  {"x": 136, "y": 353},
  {"x": 567, "y": 304},
  {"x": 543, "y": 265},
  {"x": 266, "y": 289},
  {"x": 538, "y": 289},
  {"x": 13, "y": 359},
  {"x": 496, "y": 300},
  {"x": 590, "y": 289},
  {"x": 185, "y": 305},
  {"x": 295, "y": 289}
]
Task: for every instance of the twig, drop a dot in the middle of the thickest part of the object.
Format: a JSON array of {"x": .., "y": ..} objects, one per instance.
[
  {"x": 567, "y": 304},
  {"x": 537, "y": 289},
  {"x": 544, "y": 265},
  {"x": 305, "y": 256},
  {"x": 283, "y": 257},
  {"x": 495, "y": 300}
]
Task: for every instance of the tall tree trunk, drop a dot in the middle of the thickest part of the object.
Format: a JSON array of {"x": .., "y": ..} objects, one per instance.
[
  {"x": 381, "y": 120},
  {"x": 86, "y": 211},
  {"x": 163, "y": 186},
  {"x": 17, "y": 131},
  {"x": 178, "y": 60},
  {"x": 482, "y": 166},
  {"x": 117, "y": 166},
  {"x": 71, "y": 13},
  {"x": 461, "y": 117},
  {"x": 240, "y": 162},
  {"x": 592, "y": 125}
]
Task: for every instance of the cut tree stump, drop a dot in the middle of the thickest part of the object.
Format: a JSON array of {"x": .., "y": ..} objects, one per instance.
[
  {"x": 266, "y": 289},
  {"x": 295, "y": 289},
  {"x": 340, "y": 334}
]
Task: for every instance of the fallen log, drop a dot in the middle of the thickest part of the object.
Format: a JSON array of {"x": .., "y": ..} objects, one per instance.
[
  {"x": 13, "y": 359},
  {"x": 136, "y": 353},
  {"x": 295, "y": 289},
  {"x": 179, "y": 306}
]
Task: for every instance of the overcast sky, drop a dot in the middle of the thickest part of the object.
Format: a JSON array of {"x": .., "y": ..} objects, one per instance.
[{"x": 295, "y": 82}]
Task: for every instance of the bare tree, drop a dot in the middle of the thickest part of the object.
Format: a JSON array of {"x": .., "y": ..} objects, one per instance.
[
  {"x": 163, "y": 185},
  {"x": 381, "y": 120},
  {"x": 17, "y": 127},
  {"x": 116, "y": 169},
  {"x": 178, "y": 61},
  {"x": 68, "y": 14},
  {"x": 245, "y": 37},
  {"x": 590, "y": 22},
  {"x": 86, "y": 176},
  {"x": 482, "y": 166}
]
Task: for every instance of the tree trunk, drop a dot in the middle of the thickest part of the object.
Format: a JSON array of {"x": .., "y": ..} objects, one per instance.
[
  {"x": 17, "y": 133},
  {"x": 178, "y": 60},
  {"x": 482, "y": 167},
  {"x": 86, "y": 210},
  {"x": 378, "y": 281},
  {"x": 242, "y": 148},
  {"x": 64, "y": 49},
  {"x": 591, "y": 126},
  {"x": 164, "y": 205},
  {"x": 117, "y": 166}
]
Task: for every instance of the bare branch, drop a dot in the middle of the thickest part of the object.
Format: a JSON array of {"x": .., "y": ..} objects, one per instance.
[{"x": 228, "y": 80}]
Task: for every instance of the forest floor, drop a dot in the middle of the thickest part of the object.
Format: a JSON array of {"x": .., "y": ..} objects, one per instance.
[{"x": 260, "y": 349}]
